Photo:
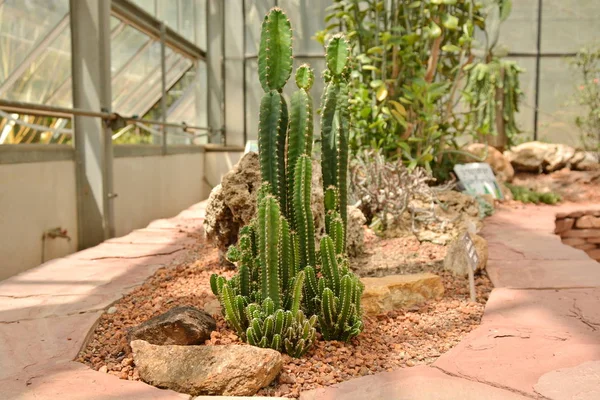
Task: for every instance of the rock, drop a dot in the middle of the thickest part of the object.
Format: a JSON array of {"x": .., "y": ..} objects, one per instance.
[
  {"x": 581, "y": 233},
  {"x": 500, "y": 165},
  {"x": 103, "y": 369},
  {"x": 579, "y": 382},
  {"x": 355, "y": 236},
  {"x": 538, "y": 156},
  {"x": 397, "y": 291},
  {"x": 563, "y": 225},
  {"x": 229, "y": 370},
  {"x": 574, "y": 241},
  {"x": 180, "y": 325},
  {"x": 456, "y": 260},
  {"x": 111, "y": 310},
  {"x": 588, "y": 221},
  {"x": 213, "y": 307},
  {"x": 506, "y": 192},
  {"x": 585, "y": 246},
  {"x": 232, "y": 204},
  {"x": 457, "y": 213},
  {"x": 594, "y": 254},
  {"x": 585, "y": 161}
]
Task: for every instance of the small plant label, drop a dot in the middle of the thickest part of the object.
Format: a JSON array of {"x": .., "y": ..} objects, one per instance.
[
  {"x": 478, "y": 178},
  {"x": 471, "y": 251}
]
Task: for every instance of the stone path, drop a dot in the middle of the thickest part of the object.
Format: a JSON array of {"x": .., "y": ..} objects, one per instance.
[
  {"x": 539, "y": 337},
  {"x": 540, "y": 334}
]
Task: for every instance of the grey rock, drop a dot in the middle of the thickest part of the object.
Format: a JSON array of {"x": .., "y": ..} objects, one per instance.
[
  {"x": 355, "y": 236},
  {"x": 230, "y": 370},
  {"x": 180, "y": 325},
  {"x": 457, "y": 261}
]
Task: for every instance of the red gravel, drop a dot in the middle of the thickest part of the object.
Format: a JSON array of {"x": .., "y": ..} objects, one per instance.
[{"x": 399, "y": 339}]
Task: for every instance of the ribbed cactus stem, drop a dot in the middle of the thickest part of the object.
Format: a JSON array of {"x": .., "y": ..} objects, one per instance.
[
  {"x": 269, "y": 231},
  {"x": 303, "y": 213},
  {"x": 272, "y": 120},
  {"x": 329, "y": 161},
  {"x": 342, "y": 153},
  {"x": 286, "y": 256},
  {"x": 275, "y": 51},
  {"x": 330, "y": 265}
]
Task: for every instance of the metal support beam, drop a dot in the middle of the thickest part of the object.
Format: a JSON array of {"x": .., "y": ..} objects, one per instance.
[
  {"x": 214, "y": 22},
  {"x": 235, "y": 72},
  {"x": 90, "y": 23},
  {"x": 538, "y": 60},
  {"x": 163, "y": 84}
]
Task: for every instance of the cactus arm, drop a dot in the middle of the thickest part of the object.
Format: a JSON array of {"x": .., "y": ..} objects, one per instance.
[
  {"x": 346, "y": 297},
  {"x": 275, "y": 51},
  {"x": 335, "y": 229},
  {"x": 231, "y": 310},
  {"x": 281, "y": 156},
  {"x": 286, "y": 268},
  {"x": 297, "y": 293},
  {"x": 271, "y": 119},
  {"x": 329, "y": 165},
  {"x": 337, "y": 53},
  {"x": 342, "y": 150},
  {"x": 304, "y": 218},
  {"x": 327, "y": 312},
  {"x": 330, "y": 267},
  {"x": 269, "y": 219}
]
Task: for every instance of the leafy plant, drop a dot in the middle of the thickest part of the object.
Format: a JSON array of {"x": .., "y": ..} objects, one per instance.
[
  {"x": 409, "y": 61},
  {"x": 587, "y": 63},
  {"x": 492, "y": 93},
  {"x": 526, "y": 195},
  {"x": 285, "y": 288}
]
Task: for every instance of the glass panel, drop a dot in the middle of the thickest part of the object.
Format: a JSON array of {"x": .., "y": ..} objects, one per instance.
[
  {"x": 135, "y": 74},
  {"x": 200, "y": 24},
  {"x": 23, "y": 24},
  {"x": 147, "y": 5},
  {"x": 46, "y": 74},
  {"x": 255, "y": 12},
  {"x": 568, "y": 25},
  {"x": 527, "y": 83},
  {"x": 187, "y": 20},
  {"x": 168, "y": 11},
  {"x": 557, "y": 109},
  {"x": 519, "y": 32},
  {"x": 307, "y": 17},
  {"x": 125, "y": 45}
]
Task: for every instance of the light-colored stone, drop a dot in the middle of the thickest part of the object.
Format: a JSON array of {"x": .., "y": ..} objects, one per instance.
[
  {"x": 231, "y": 370},
  {"x": 588, "y": 221},
  {"x": 563, "y": 225},
  {"x": 111, "y": 310},
  {"x": 180, "y": 325},
  {"x": 213, "y": 307},
  {"x": 581, "y": 382},
  {"x": 581, "y": 233},
  {"x": 355, "y": 236},
  {"x": 397, "y": 291},
  {"x": 232, "y": 204},
  {"x": 457, "y": 261},
  {"x": 500, "y": 165},
  {"x": 595, "y": 240},
  {"x": 538, "y": 156},
  {"x": 585, "y": 161}
]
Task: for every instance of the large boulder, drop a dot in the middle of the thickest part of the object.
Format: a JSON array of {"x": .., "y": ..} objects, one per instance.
[
  {"x": 355, "y": 236},
  {"x": 180, "y": 325},
  {"x": 230, "y": 370},
  {"x": 399, "y": 291},
  {"x": 500, "y": 165},
  {"x": 457, "y": 260},
  {"x": 543, "y": 157},
  {"x": 585, "y": 161},
  {"x": 232, "y": 204}
]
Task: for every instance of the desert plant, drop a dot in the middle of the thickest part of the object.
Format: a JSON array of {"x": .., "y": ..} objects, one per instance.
[
  {"x": 587, "y": 63},
  {"x": 265, "y": 302}
]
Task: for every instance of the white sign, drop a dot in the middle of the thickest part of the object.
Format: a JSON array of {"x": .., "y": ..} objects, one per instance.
[
  {"x": 471, "y": 251},
  {"x": 251, "y": 145},
  {"x": 478, "y": 178}
]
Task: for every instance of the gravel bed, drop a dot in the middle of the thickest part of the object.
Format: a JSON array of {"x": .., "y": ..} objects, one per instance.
[{"x": 403, "y": 338}]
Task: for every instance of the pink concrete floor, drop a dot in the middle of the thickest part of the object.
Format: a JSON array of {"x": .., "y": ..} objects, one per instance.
[{"x": 539, "y": 337}]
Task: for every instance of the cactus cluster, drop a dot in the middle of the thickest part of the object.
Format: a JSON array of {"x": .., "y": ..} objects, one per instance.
[{"x": 288, "y": 287}]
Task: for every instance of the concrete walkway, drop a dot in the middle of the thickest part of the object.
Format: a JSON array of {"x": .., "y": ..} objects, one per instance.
[
  {"x": 540, "y": 333},
  {"x": 539, "y": 337}
]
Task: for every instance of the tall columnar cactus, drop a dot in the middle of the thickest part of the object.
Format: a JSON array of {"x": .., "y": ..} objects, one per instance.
[
  {"x": 335, "y": 124},
  {"x": 285, "y": 288},
  {"x": 274, "y": 69}
]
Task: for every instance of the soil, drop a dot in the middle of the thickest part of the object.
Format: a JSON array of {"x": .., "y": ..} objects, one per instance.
[{"x": 403, "y": 338}]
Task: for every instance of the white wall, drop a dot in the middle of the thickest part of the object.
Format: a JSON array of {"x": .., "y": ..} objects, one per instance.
[
  {"x": 155, "y": 187},
  {"x": 35, "y": 197},
  {"x": 216, "y": 165}
]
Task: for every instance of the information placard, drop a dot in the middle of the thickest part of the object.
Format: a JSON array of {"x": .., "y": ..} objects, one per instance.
[{"x": 478, "y": 178}]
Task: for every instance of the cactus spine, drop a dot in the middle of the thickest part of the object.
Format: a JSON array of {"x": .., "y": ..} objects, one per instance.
[{"x": 281, "y": 275}]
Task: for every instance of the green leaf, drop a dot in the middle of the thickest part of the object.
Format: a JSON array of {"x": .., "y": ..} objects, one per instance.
[
  {"x": 382, "y": 93},
  {"x": 450, "y": 22},
  {"x": 399, "y": 108},
  {"x": 376, "y": 83},
  {"x": 451, "y": 48},
  {"x": 414, "y": 4},
  {"x": 370, "y": 68},
  {"x": 434, "y": 30}
]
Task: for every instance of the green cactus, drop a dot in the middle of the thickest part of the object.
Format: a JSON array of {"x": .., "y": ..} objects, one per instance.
[
  {"x": 303, "y": 213},
  {"x": 281, "y": 276}
]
